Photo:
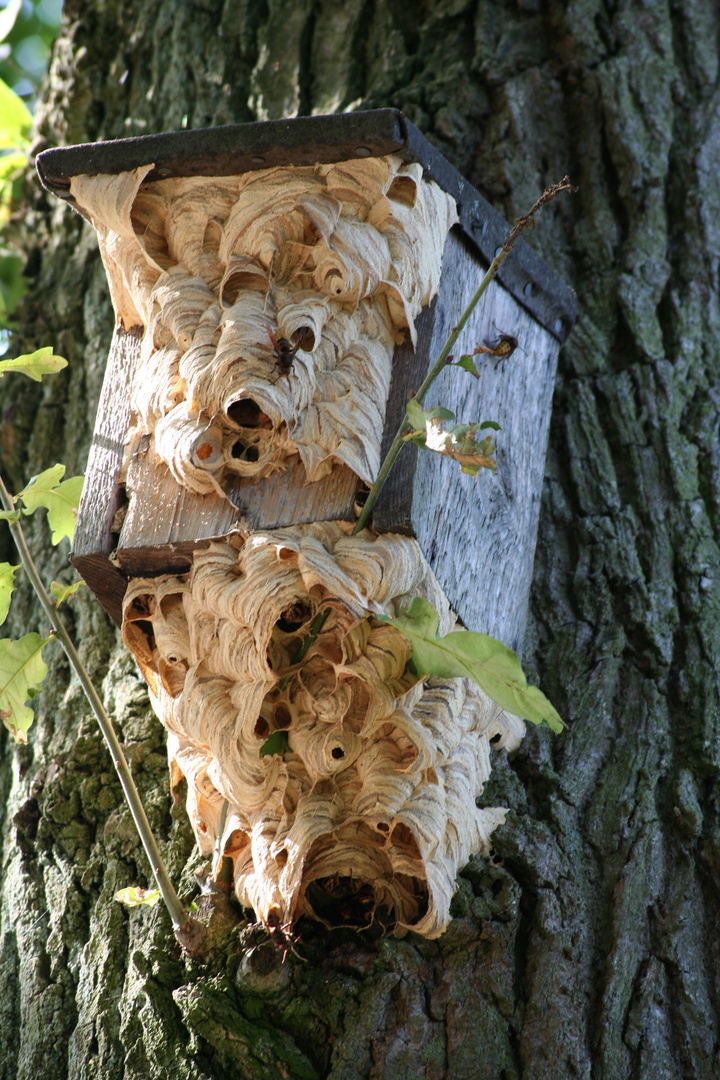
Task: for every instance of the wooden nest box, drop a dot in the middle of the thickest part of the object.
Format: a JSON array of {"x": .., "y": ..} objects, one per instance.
[
  {"x": 141, "y": 515},
  {"x": 281, "y": 291}
]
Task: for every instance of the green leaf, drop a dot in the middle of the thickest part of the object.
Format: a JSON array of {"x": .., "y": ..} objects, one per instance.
[
  {"x": 22, "y": 669},
  {"x": 8, "y": 15},
  {"x": 35, "y": 365},
  {"x": 414, "y": 415},
  {"x": 468, "y": 364},
  {"x": 10, "y": 516},
  {"x": 11, "y": 164},
  {"x": 62, "y": 592},
  {"x": 135, "y": 896},
  {"x": 7, "y": 584},
  {"x": 490, "y": 424},
  {"x": 493, "y": 666},
  {"x": 438, "y": 413},
  {"x": 12, "y": 284},
  {"x": 15, "y": 120},
  {"x": 60, "y": 499},
  {"x": 277, "y": 743}
]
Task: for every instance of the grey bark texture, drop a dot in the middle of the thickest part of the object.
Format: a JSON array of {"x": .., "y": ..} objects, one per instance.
[{"x": 589, "y": 946}]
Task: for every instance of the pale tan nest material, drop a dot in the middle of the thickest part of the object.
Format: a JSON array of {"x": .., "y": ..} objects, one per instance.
[
  {"x": 350, "y": 251},
  {"x": 374, "y": 805}
]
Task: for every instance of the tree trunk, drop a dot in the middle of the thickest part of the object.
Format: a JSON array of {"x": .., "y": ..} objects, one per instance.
[{"x": 588, "y": 945}]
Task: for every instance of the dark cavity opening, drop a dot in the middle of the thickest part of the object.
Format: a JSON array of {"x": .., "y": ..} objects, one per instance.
[
  {"x": 261, "y": 727},
  {"x": 282, "y": 716},
  {"x": 293, "y": 617},
  {"x": 147, "y": 629},
  {"x": 247, "y": 413},
  {"x": 338, "y": 753},
  {"x": 304, "y": 338}
]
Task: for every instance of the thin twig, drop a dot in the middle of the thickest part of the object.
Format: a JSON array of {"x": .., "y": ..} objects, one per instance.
[
  {"x": 181, "y": 920},
  {"x": 527, "y": 221}
]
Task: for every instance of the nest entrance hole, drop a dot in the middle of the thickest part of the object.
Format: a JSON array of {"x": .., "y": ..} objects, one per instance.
[
  {"x": 342, "y": 900},
  {"x": 247, "y": 413}
]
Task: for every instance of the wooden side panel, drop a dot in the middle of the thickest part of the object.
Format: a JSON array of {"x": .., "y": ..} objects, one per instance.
[
  {"x": 102, "y": 496},
  {"x": 162, "y": 512},
  {"x": 479, "y": 533}
]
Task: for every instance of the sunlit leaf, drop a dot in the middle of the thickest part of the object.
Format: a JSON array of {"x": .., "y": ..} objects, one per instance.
[
  {"x": 60, "y": 499},
  {"x": 35, "y": 365},
  {"x": 8, "y": 15},
  {"x": 461, "y": 444},
  {"x": 7, "y": 584},
  {"x": 463, "y": 653},
  {"x": 15, "y": 120},
  {"x": 62, "y": 592},
  {"x": 438, "y": 412},
  {"x": 10, "y": 165},
  {"x": 135, "y": 896},
  {"x": 468, "y": 364},
  {"x": 277, "y": 743},
  {"x": 22, "y": 669},
  {"x": 414, "y": 415}
]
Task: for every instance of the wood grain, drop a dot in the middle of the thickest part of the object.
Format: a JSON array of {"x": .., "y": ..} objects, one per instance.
[
  {"x": 479, "y": 533},
  {"x": 162, "y": 512},
  {"x": 102, "y": 495}
]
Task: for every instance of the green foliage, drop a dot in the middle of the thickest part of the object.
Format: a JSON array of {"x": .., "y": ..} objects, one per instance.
[
  {"x": 468, "y": 364},
  {"x": 28, "y": 38},
  {"x": 7, "y": 584},
  {"x": 277, "y": 743},
  {"x": 34, "y": 365},
  {"x": 63, "y": 592},
  {"x": 22, "y": 669},
  {"x": 135, "y": 896},
  {"x": 60, "y": 499},
  {"x": 459, "y": 442},
  {"x": 15, "y": 121},
  {"x": 493, "y": 666},
  {"x": 8, "y": 15},
  {"x": 27, "y": 30}
]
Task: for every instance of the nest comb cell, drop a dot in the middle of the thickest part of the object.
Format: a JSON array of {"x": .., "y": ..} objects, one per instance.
[{"x": 281, "y": 289}]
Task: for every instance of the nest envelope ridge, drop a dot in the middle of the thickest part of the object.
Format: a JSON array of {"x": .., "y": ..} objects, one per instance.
[
  {"x": 352, "y": 786},
  {"x": 370, "y": 809},
  {"x": 337, "y": 259}
]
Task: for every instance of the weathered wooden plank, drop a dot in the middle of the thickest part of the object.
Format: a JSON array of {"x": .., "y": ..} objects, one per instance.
[
  {"x": 102, "y": 495},
  {"x": 479, "y": 533},
  {"x": 179, "y": 515}
]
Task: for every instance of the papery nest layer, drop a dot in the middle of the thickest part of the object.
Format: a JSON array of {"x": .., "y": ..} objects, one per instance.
[
  {"x": 337, "y": 259},
  {"x": 368, "y": 809}
]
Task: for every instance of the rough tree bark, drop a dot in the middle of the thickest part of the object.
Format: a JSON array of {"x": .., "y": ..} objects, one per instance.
[{"x": 589, "y": 947}]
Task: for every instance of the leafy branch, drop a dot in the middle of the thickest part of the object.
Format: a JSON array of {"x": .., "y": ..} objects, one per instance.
[
  {"x": 465, "y": 654},
  {"x": 22, "y": 668},
  {"x": 445, "y": 358}
]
